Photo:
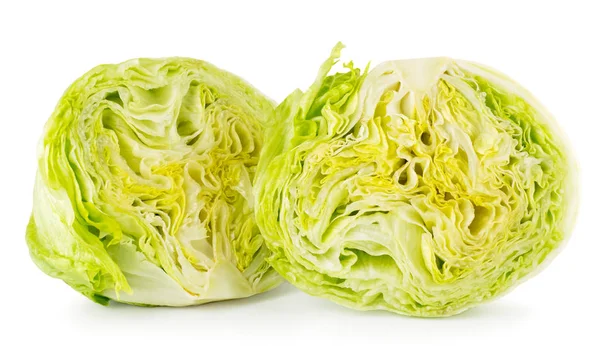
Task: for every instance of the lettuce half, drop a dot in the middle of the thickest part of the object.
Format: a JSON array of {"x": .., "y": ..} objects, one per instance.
[
  {"x": 144, "y": 188},
  {"x": 423, "y": 187}
]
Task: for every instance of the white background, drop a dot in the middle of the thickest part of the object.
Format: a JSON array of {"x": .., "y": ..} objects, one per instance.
[{"x": 551, "y": 49}]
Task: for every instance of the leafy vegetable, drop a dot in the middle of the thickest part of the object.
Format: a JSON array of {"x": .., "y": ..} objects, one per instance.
[
  {"x": 423, "y": 187},
  {"x": 144, "y": 187}
]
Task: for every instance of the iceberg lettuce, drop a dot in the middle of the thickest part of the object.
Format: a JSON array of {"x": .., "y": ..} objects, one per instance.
[
  {"x": 144, "y": 190},
  {"x": 423, "y": 187}
]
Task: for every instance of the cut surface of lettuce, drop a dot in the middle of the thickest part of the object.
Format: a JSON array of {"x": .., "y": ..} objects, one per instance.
[
  {"x": 423, "y": 187},
  {"x": 144, "y": 190}
]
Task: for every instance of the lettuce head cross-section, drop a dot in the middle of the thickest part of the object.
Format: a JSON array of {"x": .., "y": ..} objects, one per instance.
[
  {"x": 144, "y": 190},
  {"x": 422, "y": 187}
]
